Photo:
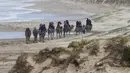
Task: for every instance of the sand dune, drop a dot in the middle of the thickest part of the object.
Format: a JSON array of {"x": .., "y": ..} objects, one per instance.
[{"x": 108, "y": 21}]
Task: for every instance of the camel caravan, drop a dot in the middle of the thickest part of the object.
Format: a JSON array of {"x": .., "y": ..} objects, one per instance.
[{"x": 60, "y": 31}]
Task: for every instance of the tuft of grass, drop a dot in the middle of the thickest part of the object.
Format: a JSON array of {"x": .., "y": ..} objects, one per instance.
[
  {"x": 73, "y": 54},
  {"x": 83, "y": 43},
  {"x": 57, "y": 50},
  {"x": 93, "y": 47},
  {"x": 74, "y": 44},
  {"x": 78, "y": 44},
  {"x": 42, "y": 55},
  {"x": 119, "y": 52},
  {"x": 126, "y": 56},
  {"x": 72, "y": 58},
  {"x": 21, "y": 65},
  {"x": 116, "y": 43}
]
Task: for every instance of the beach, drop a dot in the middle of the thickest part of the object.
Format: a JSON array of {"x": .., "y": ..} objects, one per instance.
[
  {"x": 108, "y": 21},
  {"x": 55, "y": 11}
]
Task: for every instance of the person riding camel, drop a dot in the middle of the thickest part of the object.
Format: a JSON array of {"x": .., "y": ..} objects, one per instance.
[
  {"x": 59, "y": 29},
  {"x": 51, "y": 30},
  {"x": 77, "y": 23},
  {"x": 84, "y": 31},
  {"x": 51, "y": 25},
  {"x": 35, "y": 34},
  {"x": 80, "y": 24},
  {"x": 42, "y": 32},
  {"x": 27, "y": 35},
  {"x": 59, "y": 23},
  {"x": 88, "y": 24}
]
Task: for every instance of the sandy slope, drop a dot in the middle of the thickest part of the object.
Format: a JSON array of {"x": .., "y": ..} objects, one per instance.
[{"x": 108, "y": 22}]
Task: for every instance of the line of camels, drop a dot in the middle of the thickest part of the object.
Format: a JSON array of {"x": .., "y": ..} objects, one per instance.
[{"x": 61, "y": 31}]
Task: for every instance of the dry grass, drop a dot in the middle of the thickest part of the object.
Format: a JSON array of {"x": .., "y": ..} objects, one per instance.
[
  {"x": 126, "y": 56},
  {"x": 21, "y": 65},
  {"x": 92, "y": 47},
  {"x": 77, "y": 48},
  {"x": 74, "y": 44},
  {"x": 55, "y": 53},
  {"x": 73, "y": 54},
  {"x": 116, "y": 43},
  {"x": 41, "y": 56},
  {"x": 118, "y": 51}
]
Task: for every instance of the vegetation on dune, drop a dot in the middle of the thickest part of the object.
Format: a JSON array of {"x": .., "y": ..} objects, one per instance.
[
  {"x": 117, "y": 53},
  {"x": 78, "y": 44},
  {"x": 21, "y": 66},
  {"x": 41, "y": 56},
  {"x": 93, "y": 47},
  {"x": 74, "y": 44},
  {"x": 116, "y": 43},
  {"x": 73, "y": 55}
]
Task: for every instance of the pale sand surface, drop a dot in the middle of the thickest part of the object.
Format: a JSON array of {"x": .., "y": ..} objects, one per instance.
[{"x": 108, "y": 22}]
